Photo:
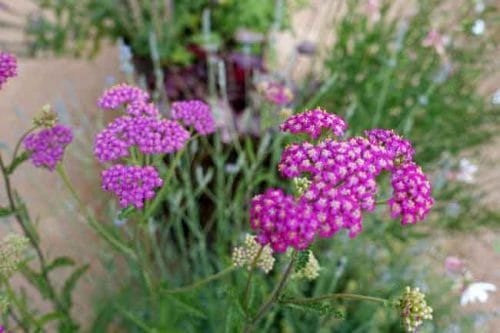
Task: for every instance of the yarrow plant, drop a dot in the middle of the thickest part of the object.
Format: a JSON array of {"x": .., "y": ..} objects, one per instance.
[
  {"x": 44, "y": 144},
  {"x": 334, "y": 177},
  {"x": 343, "y": 176},
  {"x": 336, "y": 182},
  {"x": 12, "y": 249},
  {"x": 139, "y": 133}
]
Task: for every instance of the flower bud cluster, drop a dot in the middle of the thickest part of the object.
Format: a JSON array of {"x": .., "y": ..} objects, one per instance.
[
  {"x": 311, "y": 269},
  {"x": 12, "y": 248},
  {"x": 246, "y": 255},
  {"x": 413, "y": 309}
]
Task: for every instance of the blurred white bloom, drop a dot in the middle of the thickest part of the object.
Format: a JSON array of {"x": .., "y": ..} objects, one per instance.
[
  {"x": 478, "y": 27},
  {"x": 477, "y": 292},
  {"x": 423, "y": 100},
  {"x": 467, "y": 171},
  {"x": 496, "y": 97},
  {"x": 479, "y": 7}
]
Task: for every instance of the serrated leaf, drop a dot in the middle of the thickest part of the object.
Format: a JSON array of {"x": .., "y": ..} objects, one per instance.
[
  {"x": 17, "y": 162},
  {"x": 188, "y": 308},
  {"x": 60, "y": 262},
  {"x": 47, "y": 318},
  {"x": 123, "y": 214},
  {"x": 302, "y": 260},
  {"x": 134, "y": 319},
  {"x": 36, "y": 279},
  {"x": 70, "y": 284},
  {"x": 4, "y": 212},
  {"x": 23, "y": 213}
]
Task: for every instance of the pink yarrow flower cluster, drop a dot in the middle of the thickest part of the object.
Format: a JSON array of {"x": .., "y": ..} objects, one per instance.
[
  {"x": 47, "y": 145},
  {"x": 343, "y": 185},
  {"x": 142, "y": 128},
  {"x": 132, "y": 184},
  {"x": 135, "y": 99},
  {"x": 282, "y": 221},
  {"x": 8, "y": 67},
  {"x": 312, "y": 122},
  {"x": 196, "y": 114},
  {"x": 150, "y": 134},
  {"x": 276, "y": 92}
]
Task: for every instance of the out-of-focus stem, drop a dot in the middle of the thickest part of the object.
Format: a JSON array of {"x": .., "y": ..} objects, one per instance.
[{"x": 273, "y": 298}]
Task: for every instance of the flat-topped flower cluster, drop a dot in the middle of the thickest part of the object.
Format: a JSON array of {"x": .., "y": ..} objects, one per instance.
[
  {"x": 142, "y": 130},
  {"x": 342, "y": 185}
]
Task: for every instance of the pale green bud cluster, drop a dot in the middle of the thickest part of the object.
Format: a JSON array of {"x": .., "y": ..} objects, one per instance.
[
  {"x": 246, "y": 255},
  {"x": 301, "y": 184},
  {"x": 414, "y": 309},
  {"x": 11, "y": 253},
  {"x": 46, "y": 118},
  {"x": 311, "y": 269}
]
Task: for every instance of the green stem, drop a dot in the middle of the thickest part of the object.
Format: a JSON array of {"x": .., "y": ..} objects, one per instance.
[
  {"x": 273, "y": 298},
  {"x": 98, "y": 228},
  {"x": 200, "y": 283},
  {"x": 67, "y": 182},
  {"x": 170, "y": 173},
  {"x": 21, "y": 139},
  {"x": 335, "y": 296},
  {"x": 249, "y": 279},
  {"x": 51, "y": 292}
]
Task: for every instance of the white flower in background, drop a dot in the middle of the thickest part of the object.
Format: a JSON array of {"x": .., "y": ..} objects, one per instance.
[
  {"x": 476, "y": 292},
  {"x": 467, "y": 171},
  {"x": 496, "y": 97},
  {"x": 478, "y": 27},
  {"x": 479, "y": 6}
]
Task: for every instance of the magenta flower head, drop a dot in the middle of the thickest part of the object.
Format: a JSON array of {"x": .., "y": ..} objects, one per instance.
[
  {"x": 398, "y": 149},
  {"x": 340, "y": 183},
  {"x": 132, "y": 184},
  {"x": 113, "y": 142},
  {"x": 281, "y": 221},
  {"x": 8, "y": 67},
  {"x": 150, "y": 134},
  {"x": 47, "y": 145},
  {"x": 313, "y": 121},
  {"x": 196, "y": 114},
  {"x": 135, "y": 100},
  {"x": 411, "y": 198},
  {"x": 276, "y": 93}
]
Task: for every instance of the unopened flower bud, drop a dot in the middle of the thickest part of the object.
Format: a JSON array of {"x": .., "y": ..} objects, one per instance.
[
  {"x": 47, "y": 118},
  {"x": 11, "y": 253},
  {"x": 246, "y": 255},
  {"x": 413, "y": 309},
  {"x": 301, "y": 184},
  {"x": 311, "y": 269}
]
